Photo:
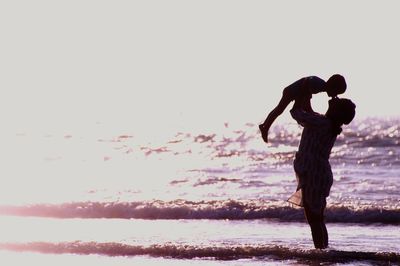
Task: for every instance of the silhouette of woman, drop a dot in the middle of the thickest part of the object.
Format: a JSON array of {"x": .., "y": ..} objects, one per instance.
[{"x": 311, "y": 164}]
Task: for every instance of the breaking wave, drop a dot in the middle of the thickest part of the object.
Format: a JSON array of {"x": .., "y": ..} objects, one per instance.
[
  {"x": 189, "y": 252},
  {"x": 181, "y": 209}
]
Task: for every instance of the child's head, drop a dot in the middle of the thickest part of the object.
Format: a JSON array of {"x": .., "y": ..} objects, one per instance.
[
  {"x": 336, "y": 85},
  {"x": 341, "y": 111}
]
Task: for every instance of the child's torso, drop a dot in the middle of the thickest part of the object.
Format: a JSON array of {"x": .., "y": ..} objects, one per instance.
[{"x": 313, "y": 83}]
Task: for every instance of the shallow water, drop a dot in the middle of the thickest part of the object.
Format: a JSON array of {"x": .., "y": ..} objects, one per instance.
[
  {"x": 216, "y": 197},
  {"x": 258, "y": 240}
]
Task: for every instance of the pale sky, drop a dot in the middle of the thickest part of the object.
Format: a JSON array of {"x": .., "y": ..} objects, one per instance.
[{"x": 71, "y": 63}]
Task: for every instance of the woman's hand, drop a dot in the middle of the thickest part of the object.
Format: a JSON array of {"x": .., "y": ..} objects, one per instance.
[{"x": 303, "y": 103}]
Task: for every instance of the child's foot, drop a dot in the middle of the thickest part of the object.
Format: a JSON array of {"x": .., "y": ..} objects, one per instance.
[{"x": 264, "y": 133}]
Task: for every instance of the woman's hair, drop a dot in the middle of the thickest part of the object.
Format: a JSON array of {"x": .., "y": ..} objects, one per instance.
[
  {"x": 336, "y": 84},
  {"x": 341, "y": 112}
]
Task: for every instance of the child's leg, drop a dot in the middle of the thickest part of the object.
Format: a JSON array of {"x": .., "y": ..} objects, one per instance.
[
  {"x": 318, "y": 229},
  {"x": 277, "y": 111}
]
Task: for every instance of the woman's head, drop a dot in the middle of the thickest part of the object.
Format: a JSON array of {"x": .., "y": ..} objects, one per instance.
[
  {"x": 336, "y": 85},
  {"x": 341, "y": 111}
]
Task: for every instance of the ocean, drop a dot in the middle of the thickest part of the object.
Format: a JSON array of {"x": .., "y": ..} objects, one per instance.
[{"x": 217, "y": 196}]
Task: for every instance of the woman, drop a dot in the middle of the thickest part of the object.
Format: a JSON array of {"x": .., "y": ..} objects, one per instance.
[{"x": 311, "y": 164}]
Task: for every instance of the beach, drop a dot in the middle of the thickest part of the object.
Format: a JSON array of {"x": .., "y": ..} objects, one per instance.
[
  {"x": 202, "y": 198},
  {"x": 130, "y": 132}
]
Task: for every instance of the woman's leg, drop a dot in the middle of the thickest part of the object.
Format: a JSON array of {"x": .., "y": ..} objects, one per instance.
[
  {"x": 318, "y": 229},
  {"x": 324, "y": 230}
]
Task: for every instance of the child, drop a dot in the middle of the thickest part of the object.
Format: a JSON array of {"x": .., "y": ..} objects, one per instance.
[
  {"x": 304, "y": 86},
  {"x": 311, "y": 164}
]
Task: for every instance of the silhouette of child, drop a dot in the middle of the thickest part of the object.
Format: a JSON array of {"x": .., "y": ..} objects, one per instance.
[
  {"x": 311, "y": 164},
  {"x": 304, "y": 87}
]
